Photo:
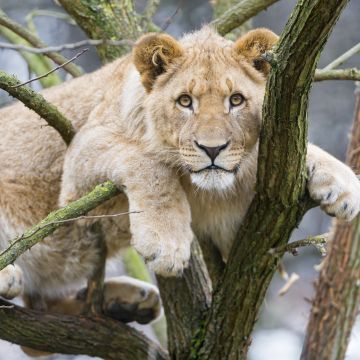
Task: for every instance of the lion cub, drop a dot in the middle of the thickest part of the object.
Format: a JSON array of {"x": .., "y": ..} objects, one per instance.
[{"x": 176, "y": 124}]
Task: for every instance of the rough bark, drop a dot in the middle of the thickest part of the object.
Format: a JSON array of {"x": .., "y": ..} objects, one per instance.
[
  {"x": 93, "y": 336},
  {"x": 36, "y": 42},
  {"x": 104, "y": 19},
  {"x": 186, "y": 302},
  {"x": 36, "y": 102},
  {"x": 337, "y": 299},
  {"x": 280, "y": 201},
  {"x": 47, "y": 226}
]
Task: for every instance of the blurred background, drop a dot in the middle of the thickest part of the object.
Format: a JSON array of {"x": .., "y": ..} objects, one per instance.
[{"x": 280, "y": 329}]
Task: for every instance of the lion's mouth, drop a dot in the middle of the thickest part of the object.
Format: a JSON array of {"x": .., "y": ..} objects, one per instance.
[{"x": 214, "y": 168}]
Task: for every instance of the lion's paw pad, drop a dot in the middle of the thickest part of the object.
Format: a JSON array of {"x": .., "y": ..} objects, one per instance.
[{"x": 127, "y": 299}]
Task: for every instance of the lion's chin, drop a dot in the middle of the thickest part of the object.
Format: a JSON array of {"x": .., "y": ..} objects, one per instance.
[{"x": 217, "y": 180}]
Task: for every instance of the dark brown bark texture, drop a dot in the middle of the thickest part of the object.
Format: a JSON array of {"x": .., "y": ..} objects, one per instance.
[
  {"x": 94, "y": 336},
  {"x": 280, "y": 201},
  {"x": 337, "y": 299}
]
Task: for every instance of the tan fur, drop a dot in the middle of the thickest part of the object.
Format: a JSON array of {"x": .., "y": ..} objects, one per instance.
[{"x": 137, "y": 135}]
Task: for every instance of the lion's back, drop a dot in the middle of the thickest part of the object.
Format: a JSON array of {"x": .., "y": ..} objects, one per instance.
[{"x": 32, "y": 153}]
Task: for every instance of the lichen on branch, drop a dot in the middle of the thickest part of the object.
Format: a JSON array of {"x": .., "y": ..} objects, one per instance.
[
  {"x": 37, "y": 102},
  {"x": 47, "y": 226}
]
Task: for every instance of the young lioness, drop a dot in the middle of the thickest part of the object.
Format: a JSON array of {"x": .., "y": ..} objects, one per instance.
[{"x": 177, "y": 125}]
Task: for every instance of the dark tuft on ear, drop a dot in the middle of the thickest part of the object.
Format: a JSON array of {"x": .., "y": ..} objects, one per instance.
[
  {"x": 152, "y": 54},
  {"x": 253, "y": 44}
]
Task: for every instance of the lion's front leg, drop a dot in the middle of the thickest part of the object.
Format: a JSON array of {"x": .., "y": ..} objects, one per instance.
[
  {"x": 161, "y": 222},
  {"x": 333, "y": 184},
  {"x": 161, "y": 232}
]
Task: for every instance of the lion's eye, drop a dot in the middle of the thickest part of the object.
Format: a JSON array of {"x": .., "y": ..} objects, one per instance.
[
  {"x": 236, "y": 99},
  {"x": 184, "y": 101}
]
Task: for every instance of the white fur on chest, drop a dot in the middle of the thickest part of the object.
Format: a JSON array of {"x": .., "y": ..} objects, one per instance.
[{"x": 218, "y": 217}]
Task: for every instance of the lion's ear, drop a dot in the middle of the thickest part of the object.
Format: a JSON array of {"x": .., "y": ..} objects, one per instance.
[
  {"x": 253, "y": 44},
  {"x": 152, "y": 54}
]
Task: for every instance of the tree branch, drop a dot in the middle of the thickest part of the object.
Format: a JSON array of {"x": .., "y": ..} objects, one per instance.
[
  {"x": 93, "y": 336},
  {"x": 280, "y": 201},
  {"x": 186, "y": 313},
  {"x": 337, "y": 299},
  {"x": 238, "y": 14},
  {"x": 341, "y": 74},
  {"x": 114, "y": 20},
  {"x": 47, "y": 226},
  {"x": 220, "y": 7},
  {"x": 51, "y": 71},
  {"x": 343, "y": 58},
  {"x": 318, "y": 241},
  {"x": 36, "y": 102},
  {"x": 37, "y": 64},
  {"x": 62, "y": 47},
  {"x": 36, "y": 42},
  {"x": 95, "y": 284}
]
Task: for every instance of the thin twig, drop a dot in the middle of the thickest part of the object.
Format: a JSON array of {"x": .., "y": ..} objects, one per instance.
[
  {"x": 36, "y": 42},
  {"x": 289, "y": 283},
  {"x": 48, "y": 225},
  {"x": 170, "y": 19},
  {"x": 318, "y": 241},
  {"x": 343, "y": 58},
  {"x": 87, "y": 217},
  {"x": 70, "y": 46},
  {"x": 59, "y": 222},
  {"x": 51, "y": 71},
  {"x": 83, "y": 217},
  {"x": 48, "y": 13}
]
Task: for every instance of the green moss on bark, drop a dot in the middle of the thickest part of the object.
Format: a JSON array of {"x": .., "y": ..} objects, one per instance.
[
  {"x": 47, "y": 226},
  {"x": 36, "y": 102},
  {"x": 103, "y": 19}
]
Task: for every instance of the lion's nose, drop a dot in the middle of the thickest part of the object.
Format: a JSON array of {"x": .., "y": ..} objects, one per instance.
[{"x": 213, "y": 151}]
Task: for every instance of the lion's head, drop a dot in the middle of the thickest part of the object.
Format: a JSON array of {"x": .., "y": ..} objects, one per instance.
[{"x": 204, "y": 98}]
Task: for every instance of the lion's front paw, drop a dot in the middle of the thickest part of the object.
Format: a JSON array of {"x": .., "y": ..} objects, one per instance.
[
  {"x": 336, "y": 188},
  {"x": 166, "y": 253},
  {"x": 127, "y": 299},
  {"x": 11, "y": 282}
]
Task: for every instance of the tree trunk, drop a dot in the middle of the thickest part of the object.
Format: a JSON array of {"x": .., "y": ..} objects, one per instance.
[
  {"x": 280, "y": 201},
  {"x": 113, "y": 20},
  {"x": 336, "y": 304}
]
